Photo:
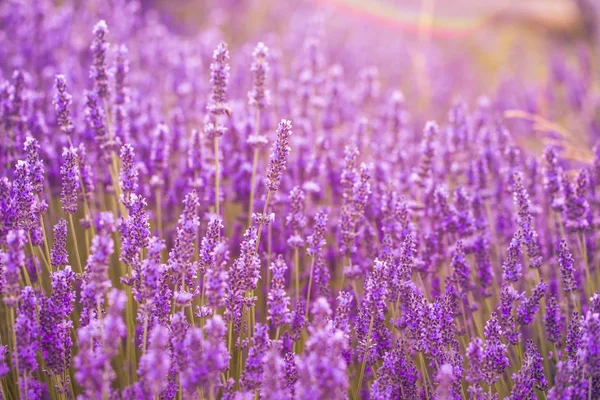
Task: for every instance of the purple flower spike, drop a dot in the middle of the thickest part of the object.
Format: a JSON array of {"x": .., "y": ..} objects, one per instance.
[
  {"x": 422, "y": 174},
  {"x": 317, "y": 239},
  {"x": 206, "y": 357},
  {"x": 62, "y": 106},
  {"x": 55, "y": 321},
  {"x": 98, "y": 70},
  {"x": 279, "y": 155},
  {"x": 154, "y": 364},
  {"x": 95, "y": 279},
  {"x": 512, "y": 266},
  {"x": 259, "y": 96},
  {"x": 135, "y": 230},
  {"x": 278, "y": 302},
  {"x": 253, "y": 374},
  {"x": 567, "y": 267},
  {"x": 27, "y": 331},
  {"x": 219, "y": 78},
  {"x": 529, "y": 307},
  {"x": 129, "y": 173},
  {"x": 495, "y": 359},
  {"x": 69, "y": 172},
  {"x": 58, "y": 255},
  {"x": 13, "y": 259}
]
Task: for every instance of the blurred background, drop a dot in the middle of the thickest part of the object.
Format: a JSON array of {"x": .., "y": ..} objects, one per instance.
[{"x": 512, "y": 50}]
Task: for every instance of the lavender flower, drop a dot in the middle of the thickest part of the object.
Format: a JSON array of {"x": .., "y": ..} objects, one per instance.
[
  {"x": 296, "y": 218},
  {"x": 62, "y": 105},
  {"x": 98, "y": 343},
  {"x": 531, "y": 375},
  {"x": 279, "y": 154},
  {"x": 206, "y": 357},
  {"x": 322, "y": 369},
  {"x": 529, "y": 307},
  {"x": 397, "y": 377},
  {"x": 573, "y": 342},
  {"x": 422, "y": 174},
  {"x": 554, "y": 320},
  {"x": 317, "y": 240},
  {"x": 55, "y": 323},
  {"x": 577, "y": 209},
  {"x": 274, "y": 383},
  {"x": 27, "y": 331},
  {"x": 495, "y": 359},
  {"x": 96, "y": 122},
  {"x": 35, "y": 164},
  {"x": 154, "y": 364},
  {"x": 58, "y": 255},
  {"x": 98, "y": 70},
  {"x": 95, "y": 279},
  {"x": 567, "y": 269},
  {"x": 512, "y": 268},
  {"x": 129, "y": 173},
  {"x": 253, "y": 374},
  {"x": 134, "y": 229},
  {"x": 259, "y": 96},
  {"x": 13, "y": 259},
  {"x": 243, "y": 276},
  {"x": 180, "y": 264},
  {"x": 69, "y": 172},
  {"x": 278, "y": 302},
  {"x": 219, "y": 79}
]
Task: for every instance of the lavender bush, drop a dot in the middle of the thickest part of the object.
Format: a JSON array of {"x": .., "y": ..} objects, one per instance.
[{"x": 192, "y": 216}]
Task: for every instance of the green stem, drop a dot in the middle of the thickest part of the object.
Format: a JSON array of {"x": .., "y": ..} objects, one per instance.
[
  {"x": 217, "y": 173},
  {"x": 254, "y": 168},
  {"x": 312, "y": 267},
  {"x": 79, "y": 264},
  {"x": 364, "y": 361}
]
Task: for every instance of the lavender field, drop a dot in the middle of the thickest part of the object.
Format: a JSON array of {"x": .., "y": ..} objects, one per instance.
[{"x": 295, "y": 200}]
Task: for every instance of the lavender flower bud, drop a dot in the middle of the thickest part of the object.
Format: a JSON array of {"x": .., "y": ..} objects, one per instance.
[
  {"x": 128, "y": 175},
  {"x": 154, "y": 364},
  {"x": 35, "y": 164},
  {"x": 278, "y": 302},
  {"x": 135, "y": 230},
  {"x": 219, "y": 79},
  {"x": 588, "y": 353},
  {"x": 422, "y": 173},
  {"x": 98, "y": 70},
  {"x": 95, "y": 279},
  {"x": 529, "y": 307},
  {"x": 317, "y": 239},
  {"x": 58, "y": 255},
  {"x": 253, "y": 374},
  {"x": 13, "y": 259},
  {"x": 573, "y": 342},
  {"x": 27, "y": 331},
  {"x": 495, "y": 359},
  {"x": 62, "y": 106},
  {"x": 512, "y": 268},
  {"x": 554, "y": 320},
  {"x": 209, "y": 244},
  {"x": 206, "y": 357},
  {"x": 55, "y": 321},
  {"x": 69, "y": 172},
  {"x": 279, "y": 154},
  {"x": 274, "y": 385},
  {"x": 95, "y": 120},
  {"x": 259, "y": 95},
  {"x": 567, "y": 268}
]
